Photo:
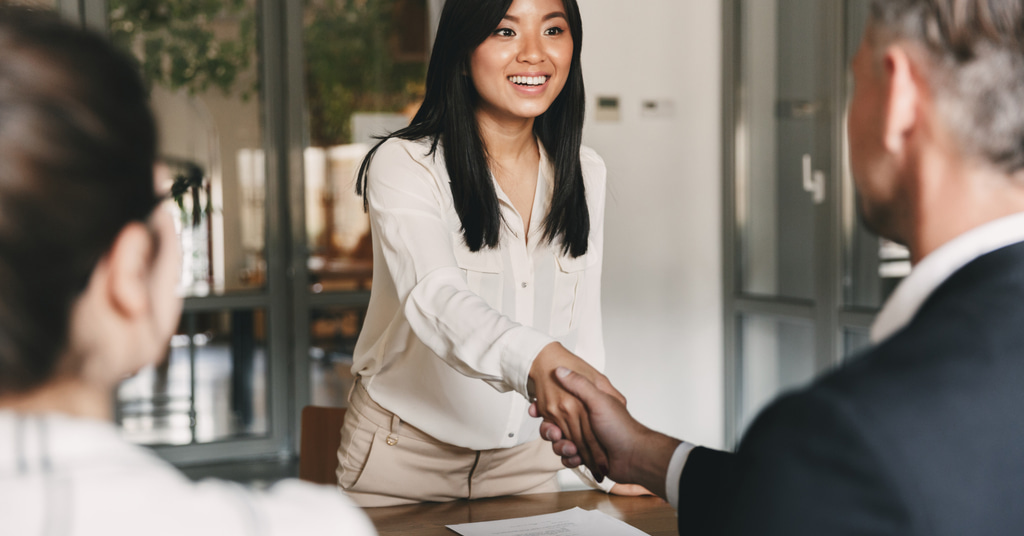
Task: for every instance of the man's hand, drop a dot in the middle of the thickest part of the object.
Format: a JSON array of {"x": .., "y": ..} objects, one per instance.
[
  {"x": 558, "y": 406},
  {"x": 636, "y": 454}
]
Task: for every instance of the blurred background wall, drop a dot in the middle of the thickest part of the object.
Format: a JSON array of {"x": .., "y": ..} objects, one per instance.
[{"x": 662, "y": 303}]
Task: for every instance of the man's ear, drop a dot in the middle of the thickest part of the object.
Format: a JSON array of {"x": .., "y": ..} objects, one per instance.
[
  {"x": 904, "y": 94},
  {"x": 127, "y": 269}
]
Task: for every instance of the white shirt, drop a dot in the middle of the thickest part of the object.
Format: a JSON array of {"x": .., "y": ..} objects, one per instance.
[
  {"x": 450, "y": 335},
  {"x": 63, "y": 476},
  {"x": 912, "y": 292},
  {"x": 905, "y": 301}
]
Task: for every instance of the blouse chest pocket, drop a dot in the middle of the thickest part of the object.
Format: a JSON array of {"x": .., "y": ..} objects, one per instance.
[
  {"x": 483, "y": 270},
  {"x": 569, "y": 296}
]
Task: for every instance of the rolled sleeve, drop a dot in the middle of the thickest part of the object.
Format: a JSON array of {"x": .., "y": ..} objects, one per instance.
[{"x": 521, "y": 349}]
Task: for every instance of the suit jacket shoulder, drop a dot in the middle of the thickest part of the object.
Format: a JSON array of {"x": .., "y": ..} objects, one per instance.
[{"x": 920, "y": 435}]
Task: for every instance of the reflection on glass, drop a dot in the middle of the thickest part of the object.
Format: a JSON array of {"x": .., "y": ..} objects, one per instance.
[
  {"x": 775, "y": 355},
  {"x": 333, "y": 333},
  {"x": 873, "y": 266},
  {"x": 212, "y": 386},
  {"x": 365, "y": 69},
  {"x": 855, "y": 340},
  {"x": 782, "y": 144},
  {"x": 200, "y": 60}
]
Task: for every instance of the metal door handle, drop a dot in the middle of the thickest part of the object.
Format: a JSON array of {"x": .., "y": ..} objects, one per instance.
[{"x": 814, "y": 181}]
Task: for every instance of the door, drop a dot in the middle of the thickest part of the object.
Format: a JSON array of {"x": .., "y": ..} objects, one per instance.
[
  {"x": 782, "y": 155},
  {"x": 803, "y": 278}
]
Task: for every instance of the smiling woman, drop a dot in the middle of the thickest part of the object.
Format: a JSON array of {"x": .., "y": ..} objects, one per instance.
[
  {"x": 522, "y": 66},
  {"x": 486, "y": 218}
]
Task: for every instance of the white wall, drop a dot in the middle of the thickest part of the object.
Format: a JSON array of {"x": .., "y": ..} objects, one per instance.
[{"x": 662, "y": 267}]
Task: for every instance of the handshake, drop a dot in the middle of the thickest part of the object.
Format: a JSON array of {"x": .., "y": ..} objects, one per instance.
[{"x": 586, "y": 420}]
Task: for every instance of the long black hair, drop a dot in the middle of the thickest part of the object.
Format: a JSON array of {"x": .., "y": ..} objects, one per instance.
[
  {"x": 447, "y": 116},
  {"x": 77, "y": 146}
]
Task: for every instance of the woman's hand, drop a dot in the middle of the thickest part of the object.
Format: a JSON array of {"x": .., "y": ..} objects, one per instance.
[
  {"x": 560, "y": 407},
  {"x": 629, "y": 490}
]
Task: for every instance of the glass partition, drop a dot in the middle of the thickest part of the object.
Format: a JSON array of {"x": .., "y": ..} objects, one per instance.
[
  {"x": 212, "y": 385},
  {"x": 775, "y": 354},
  {"x": 365, "y": 71},
  {"x": 782, "y": 145},
  {"x": 201, "y": 62},
  {"x": 333, "y": 334},
  {"x": 804, "y": 277},
  {"x": 855, "y": 340}
]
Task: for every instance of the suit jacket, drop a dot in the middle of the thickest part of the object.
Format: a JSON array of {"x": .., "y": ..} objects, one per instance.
[{"x": 922, "y": 434}]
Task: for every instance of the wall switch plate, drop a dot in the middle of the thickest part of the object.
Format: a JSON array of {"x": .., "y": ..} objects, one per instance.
[
  {"x": 658, "y": 108},
  {"x": 608, "y": 109}
]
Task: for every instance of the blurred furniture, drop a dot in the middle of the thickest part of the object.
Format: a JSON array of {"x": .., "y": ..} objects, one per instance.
[
  {"x": 649, "y": 514},
  {"x": 319, "y": 442},
  {"x": 243, "y": 356},
  {"x": 343, "y": 274}
]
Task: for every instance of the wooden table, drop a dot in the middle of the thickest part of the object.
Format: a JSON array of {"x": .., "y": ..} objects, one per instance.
[{"x": 649, "y": 514}]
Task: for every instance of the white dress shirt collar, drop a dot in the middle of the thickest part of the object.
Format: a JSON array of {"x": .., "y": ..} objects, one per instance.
[{"x": 912, "y": 292}]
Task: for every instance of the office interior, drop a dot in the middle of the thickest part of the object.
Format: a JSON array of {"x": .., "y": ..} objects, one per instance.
[{"x": 735, "y": 266}]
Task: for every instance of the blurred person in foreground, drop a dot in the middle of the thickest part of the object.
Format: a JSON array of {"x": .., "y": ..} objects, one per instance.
[
  {"x": 922, "y": 434},
  {"x": 88, "y": 266}
]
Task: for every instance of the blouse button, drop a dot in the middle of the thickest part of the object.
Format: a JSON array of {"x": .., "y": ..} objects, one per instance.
[
  {"x": 510, "y": 434},
  {"x": 524, "y": 284}
]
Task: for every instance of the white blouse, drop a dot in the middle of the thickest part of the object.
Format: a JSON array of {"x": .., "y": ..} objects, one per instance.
[
  {"x": 64, "y": 476},
  {"x": 442, "y": 318}
]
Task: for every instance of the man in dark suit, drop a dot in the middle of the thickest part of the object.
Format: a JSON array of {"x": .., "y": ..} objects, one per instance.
[{"x": 923, "y": 433}]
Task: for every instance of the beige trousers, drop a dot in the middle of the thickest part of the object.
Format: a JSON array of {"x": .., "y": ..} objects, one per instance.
[{"x": 385, "y": 462}]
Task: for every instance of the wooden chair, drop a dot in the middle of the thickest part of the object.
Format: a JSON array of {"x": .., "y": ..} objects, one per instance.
[{"x": 318, "y": 444}]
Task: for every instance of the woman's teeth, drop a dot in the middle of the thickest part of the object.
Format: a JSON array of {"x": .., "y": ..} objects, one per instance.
[{"x": 528, "y": 80}]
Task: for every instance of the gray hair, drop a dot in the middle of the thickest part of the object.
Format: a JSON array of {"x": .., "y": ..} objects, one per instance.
[{"x": 975, "y": 55}]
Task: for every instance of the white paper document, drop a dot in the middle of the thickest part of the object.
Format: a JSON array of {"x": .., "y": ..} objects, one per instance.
[{"x": 574, "y": 522}]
